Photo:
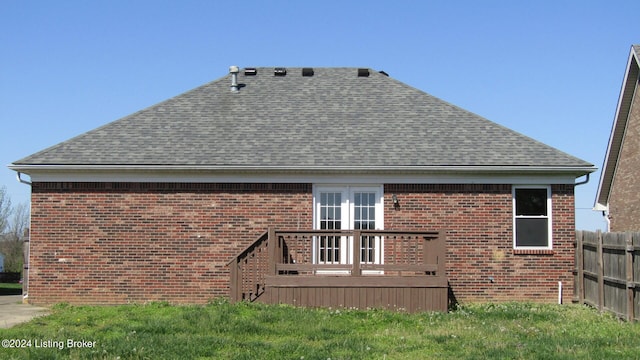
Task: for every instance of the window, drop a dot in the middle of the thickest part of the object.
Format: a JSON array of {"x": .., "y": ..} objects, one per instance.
[{"x": 532, "y": 217}]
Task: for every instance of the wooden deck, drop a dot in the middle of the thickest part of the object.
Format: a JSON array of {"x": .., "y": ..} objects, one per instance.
[{"x": 403, "y": 270}]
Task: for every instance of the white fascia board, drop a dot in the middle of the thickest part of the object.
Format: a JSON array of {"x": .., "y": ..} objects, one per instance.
[
  {"x": 343, "y": 175},
  {"x": 601, "y": 207},
  {"x": 607, "y": 157}
]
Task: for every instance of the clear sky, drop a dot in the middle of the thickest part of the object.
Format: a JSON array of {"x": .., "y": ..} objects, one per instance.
[{"x": 551, "y": 70}]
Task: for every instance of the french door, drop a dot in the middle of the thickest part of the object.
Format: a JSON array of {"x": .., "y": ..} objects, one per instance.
[{"x": 347, "y": 208}]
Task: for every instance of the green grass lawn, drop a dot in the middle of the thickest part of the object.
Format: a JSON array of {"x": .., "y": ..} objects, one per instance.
[
  {"x": 10, "y": 289},
  {"x": 252, "y": 331}
]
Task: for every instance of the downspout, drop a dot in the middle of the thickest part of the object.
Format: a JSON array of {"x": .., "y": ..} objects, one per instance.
[
  {"x": 27, "y": 249},
  {"x": 583, "y": 182},
  {"x": 606, "y": 219},
  {"x": 20, "y": 179},
  {"x": 560, "y": 282}
]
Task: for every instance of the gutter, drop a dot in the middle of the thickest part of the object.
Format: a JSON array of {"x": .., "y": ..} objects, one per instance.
[
  {"x": 25, "y": 284},
  {"x": 583, "y": 170}
]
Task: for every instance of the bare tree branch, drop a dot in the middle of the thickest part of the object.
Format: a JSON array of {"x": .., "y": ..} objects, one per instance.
[
  {"x": 5, "y": 210},
  {"x": 14, "y": 222}
]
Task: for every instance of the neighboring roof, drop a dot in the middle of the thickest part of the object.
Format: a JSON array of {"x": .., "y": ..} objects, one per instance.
[
  {"x": 618, "y": 130},
  {"x": 332, "y": 119}
]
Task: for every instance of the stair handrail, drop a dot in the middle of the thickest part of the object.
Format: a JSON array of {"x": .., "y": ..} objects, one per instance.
[{"x": 238, "y": 284}]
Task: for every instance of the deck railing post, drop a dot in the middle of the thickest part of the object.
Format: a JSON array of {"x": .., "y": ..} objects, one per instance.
[
  {"x": 440, "y": 251},
  {"x": 356, "y": 253},
  {"x": 272, "y": 250},
  {"x": 426, "y": 249},
  {"x": 234, "y": 286},
  {"x": 443, "y": 250}
]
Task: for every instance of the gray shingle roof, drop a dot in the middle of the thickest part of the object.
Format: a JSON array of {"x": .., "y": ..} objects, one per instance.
[{"x": 333, "y": 118}]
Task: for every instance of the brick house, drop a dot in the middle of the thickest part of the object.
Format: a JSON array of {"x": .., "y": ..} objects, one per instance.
[
  {"x": 619, "y": 190},
  {"x": 155, "y": 206}
]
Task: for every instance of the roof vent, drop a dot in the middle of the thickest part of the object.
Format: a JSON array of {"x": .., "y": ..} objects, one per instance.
[
  {"x": 363, "y": 72},
  {"x": 234, "y": 70},
  {"x": 250, "y": 72},
  {"x": 383, "y": 73},
  {"x": 307, "y": 71},
  {"x": 280, "y": 71}
]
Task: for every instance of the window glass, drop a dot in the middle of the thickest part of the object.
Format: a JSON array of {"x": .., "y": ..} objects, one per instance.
[
  {"x": 330, "y": 219},
  {"x": 531, "y": 202},
  {"x": 532, "y": 232},
  {"x": 532, "y": 217}
]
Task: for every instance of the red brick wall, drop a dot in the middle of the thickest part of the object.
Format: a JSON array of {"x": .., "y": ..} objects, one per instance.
[
  {"x": 624, "y": 201},
  {"x": 118, "y": 243},
  {"x": 479, "y": 224}
]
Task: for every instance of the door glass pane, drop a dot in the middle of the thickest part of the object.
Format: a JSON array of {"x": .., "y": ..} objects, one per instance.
[
  {"x": 364, "y": 219},
  {"x": 330, "y": 219},
  {"x": 364, "y": 211}
]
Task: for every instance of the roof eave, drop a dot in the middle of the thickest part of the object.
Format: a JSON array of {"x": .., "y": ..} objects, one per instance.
[{"x": 577, "y": 170}]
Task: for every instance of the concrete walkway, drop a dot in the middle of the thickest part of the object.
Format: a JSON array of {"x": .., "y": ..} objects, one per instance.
[{"x": 13, "y": 311}]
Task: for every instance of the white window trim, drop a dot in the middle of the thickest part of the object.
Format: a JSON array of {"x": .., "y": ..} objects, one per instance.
[{"x": 549, "y": 217}]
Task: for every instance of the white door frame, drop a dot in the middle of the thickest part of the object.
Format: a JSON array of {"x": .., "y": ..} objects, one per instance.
[{"x": 347, "y": 217}]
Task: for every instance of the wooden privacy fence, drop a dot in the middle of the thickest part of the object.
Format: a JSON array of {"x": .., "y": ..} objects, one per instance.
[{"x": 607, "y": 272}]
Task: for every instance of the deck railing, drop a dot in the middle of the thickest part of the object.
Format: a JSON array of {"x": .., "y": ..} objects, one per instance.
[
  {"x": 377, "y": 252},
  {"x": 356, "y": 254}
]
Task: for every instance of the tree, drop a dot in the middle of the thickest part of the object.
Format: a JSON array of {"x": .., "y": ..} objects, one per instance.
[
  {"x": 5, "y": 210},
  {"x": 14, "y": 223}
]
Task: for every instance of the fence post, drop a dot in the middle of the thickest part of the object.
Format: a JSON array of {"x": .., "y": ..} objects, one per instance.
[
  {"x": 600, "y": 262},
  {"x": 578, "y": 289},
  {"x": 629, "y": 270}
]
